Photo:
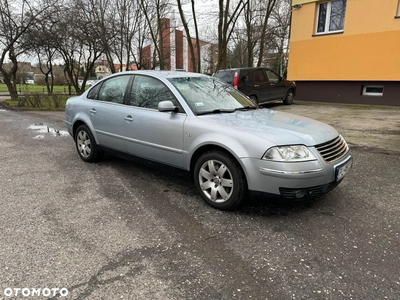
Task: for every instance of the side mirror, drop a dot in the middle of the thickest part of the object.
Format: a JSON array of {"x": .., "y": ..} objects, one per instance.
[{"x": 165, "y": 106}]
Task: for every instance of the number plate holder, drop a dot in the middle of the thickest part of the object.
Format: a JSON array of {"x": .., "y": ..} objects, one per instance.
[{"x": 342, "y": 170}]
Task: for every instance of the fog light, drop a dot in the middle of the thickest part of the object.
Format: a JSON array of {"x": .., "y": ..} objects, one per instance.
[{"x": 299, "y": 194}]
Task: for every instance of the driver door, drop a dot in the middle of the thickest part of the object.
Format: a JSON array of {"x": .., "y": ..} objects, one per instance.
[{"x": 152, "y": 134}]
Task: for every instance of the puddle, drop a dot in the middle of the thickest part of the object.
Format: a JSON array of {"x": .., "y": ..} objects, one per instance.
[
  {"x": 43, "y": 129},
  {"x": 2, "y": 110}
]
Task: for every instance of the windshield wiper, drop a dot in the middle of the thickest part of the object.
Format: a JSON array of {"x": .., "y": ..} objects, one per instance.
[
  {"x": 216, "y": 111},
  {"x": 246, "y": 107}
]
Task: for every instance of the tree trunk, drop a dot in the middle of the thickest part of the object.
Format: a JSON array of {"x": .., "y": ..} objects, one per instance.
[
  {"x": 270, "y": 6},
  {"x": 11, "y": 86},
  {"x": 196, "y": 29},
  {"x": 188, "y": 37}
]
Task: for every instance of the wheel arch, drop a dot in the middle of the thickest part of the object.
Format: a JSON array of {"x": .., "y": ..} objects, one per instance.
[
  {"x": 83, "y": 120},
  {"x": 211, "y": 147},
  {"x": 75, "y": 127},
  {"x": 292, "y": 88}
]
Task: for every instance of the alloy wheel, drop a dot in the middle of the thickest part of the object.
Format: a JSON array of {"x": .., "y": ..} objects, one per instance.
[{"x": 216, "y": 181}]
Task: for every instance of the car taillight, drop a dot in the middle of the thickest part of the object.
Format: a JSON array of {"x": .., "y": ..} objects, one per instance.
[{"x": 236, "y": 80}]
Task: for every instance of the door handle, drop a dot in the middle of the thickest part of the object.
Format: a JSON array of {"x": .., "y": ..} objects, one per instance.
[
  {"x": 93, "y": 111},
  {"x": 256, "y": 85},
  {"x": 128, "y": 118}
]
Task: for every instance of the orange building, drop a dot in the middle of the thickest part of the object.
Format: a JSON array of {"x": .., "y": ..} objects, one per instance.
[{"x": 346, "y": 51}]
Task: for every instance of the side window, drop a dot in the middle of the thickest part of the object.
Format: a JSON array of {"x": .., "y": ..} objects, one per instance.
[
  {"x": 94, "y": 91},
  {"x": 148, "y": 92},
  {"x": 259, "y": 76},
  {"x": 113, "y": 89},
  {"x": 272, "y": 76},
  {"x": 245, "y": 76}
]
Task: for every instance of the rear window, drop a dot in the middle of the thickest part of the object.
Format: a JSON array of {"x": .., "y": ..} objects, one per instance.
[{"x": 225, "y": 75}]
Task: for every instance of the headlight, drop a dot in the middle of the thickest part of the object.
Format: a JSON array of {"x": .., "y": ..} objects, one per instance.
[{"x": 289, "y": 154}]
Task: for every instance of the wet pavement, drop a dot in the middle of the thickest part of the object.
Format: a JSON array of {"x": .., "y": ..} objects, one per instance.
[{"x": 119, "y": 230}]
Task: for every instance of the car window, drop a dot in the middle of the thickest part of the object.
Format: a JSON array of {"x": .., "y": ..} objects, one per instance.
[
  {"x": 259, "y": 76},
  {"x": 148, "y": 92},
  {"x": 113, "y": 89},
  {"x": 244, "y": 76},
  {"x": 272, "y": 76},
  {"x": 94, "y": 91},
  {"x": 205, "y": 94},
  {"x": 225, "y": 75}
]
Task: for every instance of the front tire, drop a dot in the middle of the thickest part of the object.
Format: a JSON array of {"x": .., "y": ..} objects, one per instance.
[
  {"x": 220, "y": 180},
  {"x": 254, "y": 99},
  {"x": 289, "y": 98},
  {"x": 86, "y": 145}
]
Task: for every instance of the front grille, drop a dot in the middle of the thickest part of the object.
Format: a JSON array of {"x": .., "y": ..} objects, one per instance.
[{"x": 333, "y": 150}]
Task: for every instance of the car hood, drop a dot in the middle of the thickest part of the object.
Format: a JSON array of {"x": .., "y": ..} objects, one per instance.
[{"x": 278, "y": 127}]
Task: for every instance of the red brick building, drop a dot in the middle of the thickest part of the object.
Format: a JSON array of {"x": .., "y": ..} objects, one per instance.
[{"x": 176, "y": 52}]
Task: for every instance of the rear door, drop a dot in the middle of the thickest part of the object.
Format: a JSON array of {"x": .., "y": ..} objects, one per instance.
[{"x": 107, "y": 111}]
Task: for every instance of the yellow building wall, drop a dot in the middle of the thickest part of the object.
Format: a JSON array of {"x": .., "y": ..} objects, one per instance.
[{"x": 368, "y": 48}]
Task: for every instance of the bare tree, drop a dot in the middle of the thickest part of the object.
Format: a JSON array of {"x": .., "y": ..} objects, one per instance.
[
  {"x": 195, "y": 57},
  {"x": 281, "y": 17},
  {"x": 78, "y": 45},
  {"x": 154, "y": 12},
  {"x": 269, "y": 6},
  {"x": 130, "y": 33},
  {"x": 261, "y": 32},
  {"x": 101, "y": 16},
  {"x": 227, "y": 17},
  {"x": 15, "y": 18},
  {"x": 40, "y": 39}
]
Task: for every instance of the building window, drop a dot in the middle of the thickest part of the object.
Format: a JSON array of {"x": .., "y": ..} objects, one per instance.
[
  {"x": 398, "y": 9},
  {"x": 372, "y": 90},
  {"x": 330, "y": 16}
]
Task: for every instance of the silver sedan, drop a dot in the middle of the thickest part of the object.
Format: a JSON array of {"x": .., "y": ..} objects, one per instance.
[{"x": 194, "y": 123}]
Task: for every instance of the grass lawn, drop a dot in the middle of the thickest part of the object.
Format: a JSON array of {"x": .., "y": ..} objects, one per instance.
[
  {"x": 39, "y": 102},
  {"x": 35, "y": 97},
  {"x": 34, "y": 88}
]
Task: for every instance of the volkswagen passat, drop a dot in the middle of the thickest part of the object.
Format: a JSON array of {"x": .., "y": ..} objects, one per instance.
[{"x": 198, "y": 124}]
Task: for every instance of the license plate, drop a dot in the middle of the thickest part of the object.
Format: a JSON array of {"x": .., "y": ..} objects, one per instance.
[{"x": 342, "y": 170}]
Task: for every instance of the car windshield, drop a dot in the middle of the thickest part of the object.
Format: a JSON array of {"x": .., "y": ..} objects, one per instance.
[{"x": 210, "y": 95}]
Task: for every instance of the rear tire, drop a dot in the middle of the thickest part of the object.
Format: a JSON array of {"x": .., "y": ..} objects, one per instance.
[
  {"x": 86, "y": 145},
  {"x": 220, "y": 180}
]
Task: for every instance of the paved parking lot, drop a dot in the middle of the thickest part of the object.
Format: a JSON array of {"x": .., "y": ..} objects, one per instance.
[
  {"x": 118, "y": 230},
  {"x": 362, "y": 125}
]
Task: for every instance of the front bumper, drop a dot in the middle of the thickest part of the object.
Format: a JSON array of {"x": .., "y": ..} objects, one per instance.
[{"x": 293, "y": 180}]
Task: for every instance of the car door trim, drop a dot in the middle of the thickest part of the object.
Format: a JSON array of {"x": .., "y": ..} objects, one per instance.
[{"x": 179, "y": 151}]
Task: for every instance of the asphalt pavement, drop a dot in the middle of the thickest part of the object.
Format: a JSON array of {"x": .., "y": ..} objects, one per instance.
[{"x": 119, "y": 230}]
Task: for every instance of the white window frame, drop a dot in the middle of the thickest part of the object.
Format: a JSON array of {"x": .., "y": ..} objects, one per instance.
[
  {"x": 327, "y": 19},
  {"x": 365, "y": 93},
  {"x": 398, "y": 9}
]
